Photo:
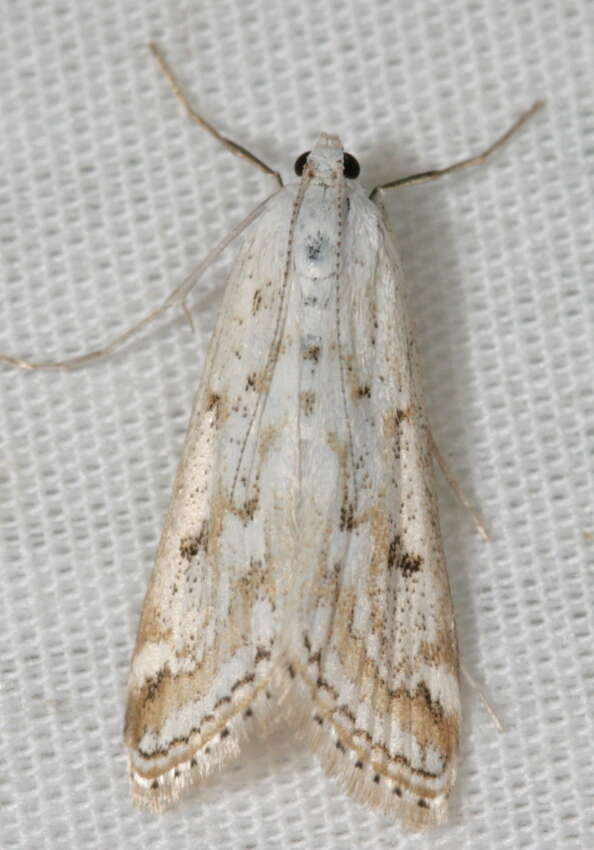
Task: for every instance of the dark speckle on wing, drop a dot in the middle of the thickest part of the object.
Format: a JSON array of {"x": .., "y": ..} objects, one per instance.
[{"x": 406, "y": 562}]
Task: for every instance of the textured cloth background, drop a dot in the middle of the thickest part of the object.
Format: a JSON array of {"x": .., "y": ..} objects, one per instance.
[{"x": 108, "y": 196}]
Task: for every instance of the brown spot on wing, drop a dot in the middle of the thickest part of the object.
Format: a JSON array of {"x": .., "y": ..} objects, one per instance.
[
  {"x": 406, "y": 562},
  {"x": 312, "y": 352},
  {"x": 308, "y": 401},
  {"x": 409, "y": 564},
  {"x": 401, "y": 415},
  {"x": 212, "y": 400},
  {"x": 256, "y": 301},
  {"x": 190, "y": 545}
]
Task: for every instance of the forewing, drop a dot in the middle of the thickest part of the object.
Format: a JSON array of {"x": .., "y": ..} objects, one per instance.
[
  {"x": 376, "y": 659},
  {"x": 203, "y": 656}
]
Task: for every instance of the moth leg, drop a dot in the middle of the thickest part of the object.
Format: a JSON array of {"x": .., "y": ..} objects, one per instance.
[
  {"x": 177, "y": 296},
  {"x": 426, "y": 176},
  {"x": 483, "y": 698},
  {"x": 459, "y": 493},
  {"x": 188, "y": 315},
  {"x": 194, "y": 116}
]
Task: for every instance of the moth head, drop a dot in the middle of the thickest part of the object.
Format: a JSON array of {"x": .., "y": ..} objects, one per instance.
[{"x": 327, "y": 159}]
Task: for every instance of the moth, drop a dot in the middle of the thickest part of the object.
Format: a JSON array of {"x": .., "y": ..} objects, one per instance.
[
  {"x": 301, "y": 568},
  {"x": 301, "y": 571},
  {"x": 301, "y": 565}
]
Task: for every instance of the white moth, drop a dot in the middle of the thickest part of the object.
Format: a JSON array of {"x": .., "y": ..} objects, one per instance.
[
  {"x": 301, "y": 568},
  {"x": 301, "y": 571}
]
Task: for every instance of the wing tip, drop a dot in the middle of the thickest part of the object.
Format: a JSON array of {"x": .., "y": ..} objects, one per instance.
[
  {"x": 160, "y": 792},
  {"x": 157, "y": 789},
  {"x": 369, "y": 787}
]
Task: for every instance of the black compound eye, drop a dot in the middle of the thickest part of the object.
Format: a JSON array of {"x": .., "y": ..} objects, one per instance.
[
  {"x": 350, "y": 166},
  {"x": 300, "y": 163}
]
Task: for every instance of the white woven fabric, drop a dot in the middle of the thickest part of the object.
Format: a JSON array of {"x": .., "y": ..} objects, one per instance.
[{"x": 108, "y": 196}]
